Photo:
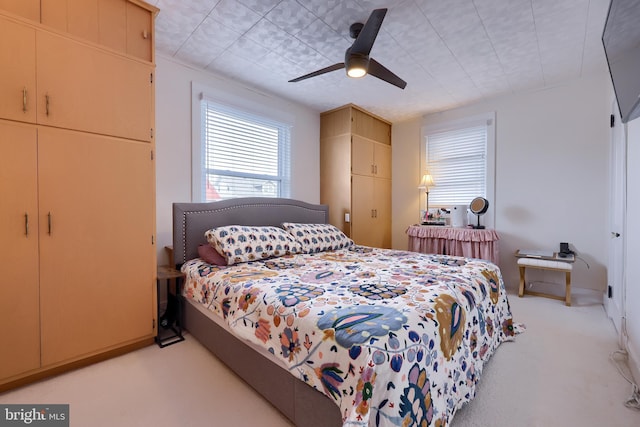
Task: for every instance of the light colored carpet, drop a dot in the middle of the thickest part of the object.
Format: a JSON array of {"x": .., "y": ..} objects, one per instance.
[{"x": 557, "y": 373}]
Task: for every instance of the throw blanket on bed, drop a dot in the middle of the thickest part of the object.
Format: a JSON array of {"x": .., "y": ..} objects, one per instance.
[{"x": 393, "y": 337}]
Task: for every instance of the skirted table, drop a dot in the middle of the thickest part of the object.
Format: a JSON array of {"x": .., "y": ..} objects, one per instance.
[{"x": 466, "y": 242}]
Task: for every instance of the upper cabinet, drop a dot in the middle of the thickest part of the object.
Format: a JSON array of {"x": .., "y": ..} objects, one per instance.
[
  {"x": 18, "y": 82},
  {"x": 371, "y": 127},
  {"x": 83, "y": 88},
  {"x": 52, "y": 79},
  {"x": 139, "y": 32},
  {"x": 123, "y": 25},
  {"x": 353, "y": 120},
  {"x": 29, "y": 9},
  {"x": 370, "y": 158},
  {"x": 112, "y": 24}
]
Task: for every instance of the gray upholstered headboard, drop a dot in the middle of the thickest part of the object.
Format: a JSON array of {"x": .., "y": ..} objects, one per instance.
[{"x": 191, "y": 220}]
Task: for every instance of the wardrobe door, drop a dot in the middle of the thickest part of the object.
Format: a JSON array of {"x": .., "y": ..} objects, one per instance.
[
  {"x": 371, "y": 211},
  {"x": 85, "y": 88},
  {"x": 335, "y": 179},
  {"x": 382, "y": 203},
  {"x": 139, "y": 32},
  {"x": 19, "y": 307},
  {"x": 97, "y": 256},
  {"x": 53, "y": 13},
  {"x": 370, "y": 127},
  {"x": 362, "y": 162},
  {"x": 82, "y": 19},
  {"x": 382, "y": 160},
  {"x": 113, "y": 24},
  {"x": 77, "y": 17},
  {"x": 18, "y": 71},
  {"x": 363, "y": 223}
]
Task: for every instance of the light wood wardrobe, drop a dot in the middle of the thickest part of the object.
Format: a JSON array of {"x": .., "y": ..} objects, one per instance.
[
  {"x": 77, "y": 183},
  {"x": 355, "y": 173}
]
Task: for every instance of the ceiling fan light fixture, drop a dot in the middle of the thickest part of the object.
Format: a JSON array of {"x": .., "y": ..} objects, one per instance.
[
  {"x": 356, "y": 72},
  {"x": 356, "y": 65}
]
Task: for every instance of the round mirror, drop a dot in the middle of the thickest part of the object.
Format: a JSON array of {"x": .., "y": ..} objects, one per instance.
[{"x": 479, "y": 206}]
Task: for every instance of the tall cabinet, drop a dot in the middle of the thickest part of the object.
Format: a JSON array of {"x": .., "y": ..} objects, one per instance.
[
  {"x": 355, "y": 173},
  {"x": 77, "y": 185}
]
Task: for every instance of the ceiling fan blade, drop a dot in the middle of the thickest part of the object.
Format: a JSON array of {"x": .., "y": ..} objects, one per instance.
[
  {"x": 368, "y": 34},
  {"x": 378, "y": 70},
  {"x": 329, "y": 69}
]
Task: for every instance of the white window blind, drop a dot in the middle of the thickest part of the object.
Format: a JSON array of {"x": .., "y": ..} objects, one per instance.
[
  {"x": 243, "y": 155},
  {"x": 457, "y": 159}
]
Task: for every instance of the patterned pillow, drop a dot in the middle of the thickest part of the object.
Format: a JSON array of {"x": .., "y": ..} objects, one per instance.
[
  {"x": 318, "y": 237},
  {"x": 238, "y": 243}
]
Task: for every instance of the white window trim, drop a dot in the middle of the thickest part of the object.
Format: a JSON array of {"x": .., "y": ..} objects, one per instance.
[
  {"x": 488, "y": 219},
  {"x": 200, "y": 92}
]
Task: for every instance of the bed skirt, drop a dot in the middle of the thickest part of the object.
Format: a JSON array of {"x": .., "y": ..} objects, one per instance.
[{"x": 301, "y": 404}]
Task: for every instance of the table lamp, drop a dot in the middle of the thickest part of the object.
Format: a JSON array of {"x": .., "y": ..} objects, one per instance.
[{"x": 426, "y": 182}]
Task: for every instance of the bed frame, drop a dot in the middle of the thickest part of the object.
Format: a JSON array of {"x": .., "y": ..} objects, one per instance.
[{"x": 299, "y": 402}]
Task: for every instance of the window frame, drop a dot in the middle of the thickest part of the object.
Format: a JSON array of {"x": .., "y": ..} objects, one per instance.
[
  {"x": 488, "y": 119},
  {"x": 200, "y": 93}
]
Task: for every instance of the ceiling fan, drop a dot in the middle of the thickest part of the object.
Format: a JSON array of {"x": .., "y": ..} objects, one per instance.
[{"x": 356, "y": 59}]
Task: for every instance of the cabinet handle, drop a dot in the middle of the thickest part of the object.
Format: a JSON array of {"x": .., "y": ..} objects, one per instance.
[
  {"x": 372, "y": 169},
  {"x": 24, "y": 100},
  {"x": 375, "y": 213},
  {"x": 145, "y": 35},
  {"x": 376, "y": 167},
  {"x": 26, "y": 224},
  {"x": 46, "y": 104},
  {"x": 49, "y": 223}
]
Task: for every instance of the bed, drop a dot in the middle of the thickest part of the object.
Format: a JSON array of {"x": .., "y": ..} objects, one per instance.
[{"x": 354, "y": 336}]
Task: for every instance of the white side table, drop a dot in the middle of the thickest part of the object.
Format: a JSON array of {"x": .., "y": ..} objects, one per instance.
[{"x": 554, "y": 263}]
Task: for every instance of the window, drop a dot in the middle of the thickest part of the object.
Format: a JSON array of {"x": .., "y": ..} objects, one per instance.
[
  {"x": 460, "y": 155},
  {"x": 241, "y": 154},
  {"x": 458, "y": 159}
]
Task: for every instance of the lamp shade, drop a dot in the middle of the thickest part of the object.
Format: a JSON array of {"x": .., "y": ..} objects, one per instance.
[{"x": 426, "y": 182}]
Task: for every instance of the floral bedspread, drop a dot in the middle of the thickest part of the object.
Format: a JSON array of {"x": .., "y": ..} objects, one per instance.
[{"x": 395, "y": 338}]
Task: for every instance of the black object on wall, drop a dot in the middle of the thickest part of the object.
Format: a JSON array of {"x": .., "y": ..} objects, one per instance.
[{"x": 621, "y": 41}]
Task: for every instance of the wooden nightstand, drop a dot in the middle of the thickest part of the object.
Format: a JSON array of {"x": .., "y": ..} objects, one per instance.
[{"x": 170, "y": 322}]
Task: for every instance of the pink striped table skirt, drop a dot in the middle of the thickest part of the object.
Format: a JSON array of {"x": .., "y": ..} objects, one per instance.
[{"x": 466, "y": 242}]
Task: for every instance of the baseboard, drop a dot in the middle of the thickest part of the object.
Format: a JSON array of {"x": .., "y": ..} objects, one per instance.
[{"x": 43, "y": 373}]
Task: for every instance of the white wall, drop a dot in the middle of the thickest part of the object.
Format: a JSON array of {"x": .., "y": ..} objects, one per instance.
[
  {"x": 632, "y": 240},
  {"x": 551, "y": 175},
  {"x": 552, "y": 160},
  {"x": 173, "y": 140}
]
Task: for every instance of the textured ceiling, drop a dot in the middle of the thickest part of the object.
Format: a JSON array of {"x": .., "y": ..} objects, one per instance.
[{"x": 450, "y": 52}]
